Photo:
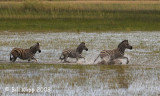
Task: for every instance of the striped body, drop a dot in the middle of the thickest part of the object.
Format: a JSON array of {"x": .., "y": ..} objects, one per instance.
[
  {"x": 24, "y": 54},
  {"x": 113, "y": 54},
  {"x": 110, "y": 56},
  {"x": 73, "y": 53}
]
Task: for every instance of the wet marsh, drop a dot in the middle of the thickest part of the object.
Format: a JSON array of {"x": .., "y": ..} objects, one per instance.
[
  {"x": 50, "y": 77},
  {"x": 80, "y": 80},
  {"x": 64, "y": 24}
]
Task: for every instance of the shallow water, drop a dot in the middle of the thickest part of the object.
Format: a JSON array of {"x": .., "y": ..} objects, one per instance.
[
  {"x": 140, "y": 77},
  {"x": 146, "y": 45},
  {"x": 78, "y": 80}
]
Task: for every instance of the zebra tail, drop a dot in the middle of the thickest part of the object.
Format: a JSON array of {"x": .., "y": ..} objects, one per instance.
[
  {"x": 10, "y": 57},
  {"x": 96, "y": 59},
  {"x": 61, "y": 57}
]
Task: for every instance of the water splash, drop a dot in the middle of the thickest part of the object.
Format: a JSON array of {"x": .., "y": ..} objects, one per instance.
[{"x": 145, "y": 45}]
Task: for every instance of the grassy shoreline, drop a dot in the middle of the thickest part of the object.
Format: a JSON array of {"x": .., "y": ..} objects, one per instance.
[{"x": 78, "y": 16}]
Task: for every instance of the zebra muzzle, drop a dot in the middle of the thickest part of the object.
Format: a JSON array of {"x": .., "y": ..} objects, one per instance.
[
  {"x": 39, "y": 51},
  {"x": 131, "y": 47}
]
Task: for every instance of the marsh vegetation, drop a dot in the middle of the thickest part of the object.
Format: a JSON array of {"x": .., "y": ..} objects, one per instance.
[
  {"x": 78, "y": 16},
  {"x": 79, "y": 79},
  {"x": 139, "y": 77},
  {"x": 64, "y": 24}
]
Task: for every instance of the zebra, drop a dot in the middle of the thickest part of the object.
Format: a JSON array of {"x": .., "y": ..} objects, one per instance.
[
  {"x": 25, "y": 54},
  {"x": 73, "y": 53},
  {"x": 111, "y": 56}
]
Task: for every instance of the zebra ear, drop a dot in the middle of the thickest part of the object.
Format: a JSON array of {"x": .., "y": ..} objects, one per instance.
[
  {"x": 125, "y": 41},
  {"x": 37, "y": 43},
  {"x": 83, "y": 43}
]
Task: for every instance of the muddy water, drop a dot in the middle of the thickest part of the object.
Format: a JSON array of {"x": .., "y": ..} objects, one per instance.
[{"x": 140, "y": 77}]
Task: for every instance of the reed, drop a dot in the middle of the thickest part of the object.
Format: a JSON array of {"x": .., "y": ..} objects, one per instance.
[{"x": 80, "y": 16}]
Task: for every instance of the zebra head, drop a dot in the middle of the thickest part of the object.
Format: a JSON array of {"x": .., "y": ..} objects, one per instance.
[
  {"x": 124, "y": 44},
  {"x": 35, "y": 48},
  {"x": 82, "y": 47}
]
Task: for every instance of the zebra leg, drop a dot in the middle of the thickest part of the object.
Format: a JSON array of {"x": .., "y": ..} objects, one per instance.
[
  {"x": 84, "y": 59},
  {"x": 10, "y": 57},
  {"x": 107, "y": 60},
  {"x": 124, "y": 58},
  {"x": 14, "y": 59},
  {"x": 65, "y": 59},
  {"x": 34, "y": 59},
  {"x": 61, "y": 57},
  {"x": 96, "y": 59},
  {"x": 127, "y": 60},
  {"x": 101, "y": 62},
  {"x": 76, "y": 59},
  {"x": 80, "y": 56},
  {"x": 29, "y": 59},
  {"x": 116, "y": 61},
  {"x": 111, "y": 62}
]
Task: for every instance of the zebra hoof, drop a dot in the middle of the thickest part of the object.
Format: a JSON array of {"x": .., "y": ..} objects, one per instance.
[{"x": 66, "y": 62}]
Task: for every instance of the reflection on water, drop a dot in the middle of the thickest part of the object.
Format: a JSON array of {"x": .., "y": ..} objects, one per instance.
[
  {"x": 146, "y": 45},
  {"x": 97, "y": 80}
]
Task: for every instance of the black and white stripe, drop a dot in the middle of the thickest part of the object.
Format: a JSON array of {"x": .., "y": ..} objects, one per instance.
[
  {"x": 73, "y": 53},
  {"x": 109, "y": 56},
  {"x": 24, "y": 54}
]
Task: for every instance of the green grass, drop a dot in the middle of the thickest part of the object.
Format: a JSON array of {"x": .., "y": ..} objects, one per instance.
[
  {"x": 10, "y": 66},
  {"x": 127, "y": 23},
  {"x": 79, "y": 16}
]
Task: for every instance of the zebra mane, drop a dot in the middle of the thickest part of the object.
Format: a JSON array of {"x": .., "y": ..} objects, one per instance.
[
  {"x": 79, "y": 48},
  {"x": 33, "y": 48},
  {"x": 122, "y": 43}
]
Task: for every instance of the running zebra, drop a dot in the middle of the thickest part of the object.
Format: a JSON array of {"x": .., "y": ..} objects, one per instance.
[
  {"x": 109, "y": 56},
  {"x": 25, "y": 54},
  {"x": 73, "y": 53}
]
